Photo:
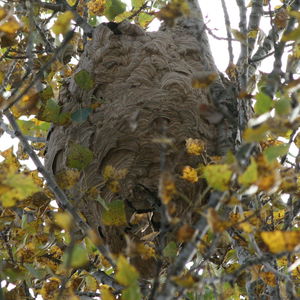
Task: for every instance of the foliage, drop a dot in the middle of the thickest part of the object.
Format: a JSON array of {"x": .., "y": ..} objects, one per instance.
[{"x": 245, "y": 241}]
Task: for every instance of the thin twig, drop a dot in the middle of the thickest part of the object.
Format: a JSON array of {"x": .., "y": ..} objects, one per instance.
[
  {"x": 39, "y": 75},
  {"x": 228, "y": 31}
]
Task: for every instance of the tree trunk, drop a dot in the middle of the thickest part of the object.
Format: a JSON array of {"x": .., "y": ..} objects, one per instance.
[{"x": 148, "y": 109}]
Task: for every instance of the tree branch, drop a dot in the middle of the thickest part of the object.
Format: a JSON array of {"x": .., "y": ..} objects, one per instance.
[
  {"x": 61, "y": 197},
  {"x": 228, "y": 30}
]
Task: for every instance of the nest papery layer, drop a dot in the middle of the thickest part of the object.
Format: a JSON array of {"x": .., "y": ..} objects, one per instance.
[{"x": 148, "y": 110}]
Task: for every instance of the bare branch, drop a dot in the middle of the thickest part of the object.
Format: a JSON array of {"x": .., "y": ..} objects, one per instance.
[
  {"x": 39, "y": 75},
  {"x": 61, "y": 197},
  {"x": 228, "y": 30},
  {"x": 254, "y": 21}
]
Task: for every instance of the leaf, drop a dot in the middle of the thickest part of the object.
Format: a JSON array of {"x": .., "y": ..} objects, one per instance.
[
  {"x": 126, "y": 274},
  {"x": 263, "y": 103},
  {"x": 194, "y": 146},
  {"x": 114, "y": 8},
  {"x": 239, "y": 36},
  {"x": 115, "y": 214},
  {"x": 62, "y": 23},
  {"x": 16, "y": 187},
  {"x": 250, "y": 175},
  {"x": 218, "y": 176},
  {"x": 293, "y": 35},
  {"x": 79, "y": 256},
  {"x": 67, "y": 178},
  {"x": 167, "y": 187},
  {"x": 50, "y": 112},
  {"x": 269, "y": 278},
  {"x": 283, "y": 107},
  {"x": 203, "y": 79},
  {"x": 10, "y": 26},
  {"x": 106, "y": 292},
  {"x": 273, "y": 152},
  {"x": 79, "y": 156},
  {"x": 185, "y": 233},
  {"x": 190, "y": 174},
  {"x": 145, "y": 19},
  {"x": 279, "y": 241},
  {"x": 186, "y": 281},
  {"x": 96, "y": 7},
  {"x": 137, "y": 3},
  {"x": 63, "y": 220},
  {"x": 81, "y": 115},
  {"x": 256, "y": 134},
  {"x": 84, "y": 80},
  {"x": 170, "y": 250},
  {"x": 132, "y": 293},
  {"x": 215, "y": 222}
]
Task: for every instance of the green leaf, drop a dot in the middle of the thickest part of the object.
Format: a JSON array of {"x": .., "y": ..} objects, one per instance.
[
  {"x": 145, "y": 19},
  {"x": 81, "y": 115},
  {"x": 137, "y": 3},
  {"x": 250, "y": 175},
  {"x": 218, "y": 176},
  {"x": 115, "y": 214},
  {"x": 170, "y": 250},
  {"x": 79, "y": 156},
  {"x": 127, "y": 274},
  {"x": 256, "y": 134},
  {"x": 84, "y": 80},
  {"x": 26, "y": 126},
  {"x": 283, "y": 107},
  {"x": 273, "y": 152},
  {"x": 263, "y": 103},
  {"x": 50, "y": 112},
  {"x": 132, "y": 293},
  {"x": 77, "y": 257},
  {"x": 113, "y": 8},
  {"x": 34, "y": 271}
]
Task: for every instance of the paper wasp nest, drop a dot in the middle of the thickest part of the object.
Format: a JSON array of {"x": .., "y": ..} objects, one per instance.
[{"x": 148, "y": 109}]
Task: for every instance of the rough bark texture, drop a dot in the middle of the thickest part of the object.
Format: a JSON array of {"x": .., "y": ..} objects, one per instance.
[{"x": 144, "y": 80}]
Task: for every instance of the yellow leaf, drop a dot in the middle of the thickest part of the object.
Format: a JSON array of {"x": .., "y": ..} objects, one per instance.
[
  {"x": 167, "y": 187},
  {"x": 279, "y": 241},
  {"x": 96, "y": 7},
  {"x": 215, "y": 222},
  {"x": 145, "y": 251},
  {"x": 62, "y": 23},
  {"x": 269, "y": 278},
  {"x": 279, "y": 215},
  {"x": 126, "y": 273},
  {"x": 91, "y": 283},
  {"x": 173, "y": 10},
  {"x": 203, "y": 79},
  {"x": 115, "y": 214},
  {"x": 246, "y": 227},
  {"x": 66, "y": 178},
  {"x": 238, "y": 35},
  {"x": 106, "y": 292},
  {"x": 64, "y": 220},
  {"x": 218, "y": 176},
  {"x": 185, "y": 233},
  {"x": 190, "y": 174},
  {"x": 11, "y": 26},
  {"x": 252, "y": 34},
  {"x": 186, "y": 281},
  {"x": 194, "y": 146}
]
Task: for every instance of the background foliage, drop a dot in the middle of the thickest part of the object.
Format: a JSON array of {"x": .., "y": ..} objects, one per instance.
[{"x": 246, "y": 242}]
